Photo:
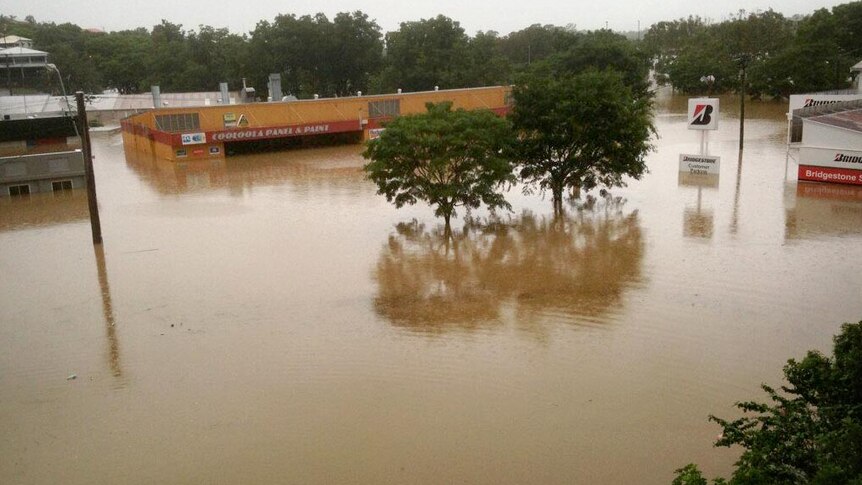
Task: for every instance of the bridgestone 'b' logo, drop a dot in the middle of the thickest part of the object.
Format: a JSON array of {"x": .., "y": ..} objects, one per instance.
[
  {"x": 840, "y": 157},
  {"x": 702, "y": 114}
]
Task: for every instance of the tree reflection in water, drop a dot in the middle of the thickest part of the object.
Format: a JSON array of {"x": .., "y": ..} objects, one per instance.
[{"x": 573, "y": 268}]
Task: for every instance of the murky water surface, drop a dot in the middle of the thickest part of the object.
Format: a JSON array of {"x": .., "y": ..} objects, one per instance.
[{"x": 269, "y": 319}]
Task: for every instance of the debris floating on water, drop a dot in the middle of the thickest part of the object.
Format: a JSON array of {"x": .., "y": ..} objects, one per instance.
[{"x": 72, "y": 377}]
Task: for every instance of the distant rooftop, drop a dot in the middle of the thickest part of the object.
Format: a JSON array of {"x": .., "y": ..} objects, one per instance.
[
  {"x": 39, "y": 105},
  {"x": 11, "y": 40},
  {"x": 21, "y": 51}
]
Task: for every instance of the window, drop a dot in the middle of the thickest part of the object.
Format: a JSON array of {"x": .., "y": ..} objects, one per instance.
[
  {"x": 61, "y": 185},
  {"x": 388, "y": 107},
  {"x": 178, "y": 122},
  {"x": 19, "y": 190}
]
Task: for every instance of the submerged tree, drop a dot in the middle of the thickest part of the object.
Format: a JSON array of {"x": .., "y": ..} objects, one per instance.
[
  {"x": 444, "y": 157},
  {"x": 580, "y": 132}
]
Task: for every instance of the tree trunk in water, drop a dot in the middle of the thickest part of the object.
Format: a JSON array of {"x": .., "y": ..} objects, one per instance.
[
  {"x": 447, "y": 231},
  {"x": 558, "y": 199}
]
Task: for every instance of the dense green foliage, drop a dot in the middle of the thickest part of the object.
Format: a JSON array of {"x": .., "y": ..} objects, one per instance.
[
  {"x": 810, "y": 433},
  {"x": 350, "y": 53},
  {"x": 782, "y": 55},
  {"x": 446, "y": 158},
  {"x": 313, "y": 54},
  {"x": 580, "y": 131}
]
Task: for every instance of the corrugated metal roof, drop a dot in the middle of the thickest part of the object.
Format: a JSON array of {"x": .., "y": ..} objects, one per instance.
[
  {"x": 21, "y": 51},
  {"x": 40, "y": 104},
  {"x": 13, "y": 39}
]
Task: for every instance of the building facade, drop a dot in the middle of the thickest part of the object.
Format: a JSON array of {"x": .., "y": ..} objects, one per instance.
[
  {"x": 212, "y": 131},
  {"x": 40, "y": 155}
]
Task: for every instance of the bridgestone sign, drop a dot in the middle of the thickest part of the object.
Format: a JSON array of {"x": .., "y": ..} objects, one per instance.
[
  {"x": 830, "y": 165},
  {"x": 798, "y": 101},
  {"x": 703, "y": 114},
  {"x": 699, "y": 164}
]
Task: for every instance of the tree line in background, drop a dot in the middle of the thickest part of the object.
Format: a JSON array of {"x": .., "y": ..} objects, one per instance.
[
  {"x": 313, "y": 54},
  {"x": 350, "y": 53},
  {"x": 782, "y": 55}
]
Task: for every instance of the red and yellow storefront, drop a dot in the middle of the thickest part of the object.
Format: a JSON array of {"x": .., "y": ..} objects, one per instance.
[{"x": 204, "y": 132}]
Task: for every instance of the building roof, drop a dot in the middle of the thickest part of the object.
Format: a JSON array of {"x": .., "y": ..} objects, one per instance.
[
  {"x": 850, "y": 120},
  {"x": 21, "y": 51},
  {"x": 43, "y": 104},
  {"x": 13, "y": 39},
  {"x": 857, "y": 66}
]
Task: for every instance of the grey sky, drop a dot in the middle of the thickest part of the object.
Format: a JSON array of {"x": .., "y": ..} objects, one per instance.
[{"x": 504, "y": 16}]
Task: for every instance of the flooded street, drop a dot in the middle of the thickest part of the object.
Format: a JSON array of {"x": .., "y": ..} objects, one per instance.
[{"x": 270, "y": 319}]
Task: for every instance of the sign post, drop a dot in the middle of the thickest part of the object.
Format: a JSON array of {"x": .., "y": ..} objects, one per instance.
[{"x": 703, "y": 116}]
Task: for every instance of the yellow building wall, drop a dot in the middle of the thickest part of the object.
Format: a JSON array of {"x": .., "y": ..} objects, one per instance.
[{"x": 280, "y": 114}]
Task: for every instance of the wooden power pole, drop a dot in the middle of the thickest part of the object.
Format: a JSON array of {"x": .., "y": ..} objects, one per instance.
[{"x": 84, "y": 132}]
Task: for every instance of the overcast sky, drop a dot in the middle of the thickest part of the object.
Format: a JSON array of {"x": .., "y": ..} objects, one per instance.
[{"x": 503, "y": 16}]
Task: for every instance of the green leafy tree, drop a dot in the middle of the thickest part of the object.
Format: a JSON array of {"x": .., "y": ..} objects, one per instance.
[
  {"x": 487, "y": 65},
  {"x": 356, "y": 52},
  {"x": 424, "y": 54},
  {"x": 697, "y": 60},
  {"x": 170, "y": 58},
  {"x": 446, "y": 158},
  {"x": 811, "y": 432},
  {"x": 315, "y": 55},
  {"x": 668, "y": 38},
  {"x": 535, "y": 43},
  {"x": 601, "y": 50},
  {"x": 580, "y": 132},
  {"x": 121, "y": 58}
]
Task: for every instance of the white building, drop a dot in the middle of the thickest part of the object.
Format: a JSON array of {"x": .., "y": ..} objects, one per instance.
[
  {"x": 22, "y": 57},
  {"x": 15, "y": 41}
]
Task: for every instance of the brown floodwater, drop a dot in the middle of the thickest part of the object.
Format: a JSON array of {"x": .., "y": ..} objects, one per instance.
[{"x": 270, "y": 319}]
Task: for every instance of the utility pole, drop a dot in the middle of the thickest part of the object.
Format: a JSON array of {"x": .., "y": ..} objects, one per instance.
[
  {"x": 84, "y": 132},
  {"x": 742, "y": 111},
  {"x": 742, "y": 60}
]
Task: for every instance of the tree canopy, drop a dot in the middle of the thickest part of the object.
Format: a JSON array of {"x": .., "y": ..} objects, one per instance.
[
  {"x": 447, "y": 158},
  {"x": 339, "y": 56},
  {"x": 783, "y": 55},
  {"x": 581, "y": 131},
  {"x": 810, "y": 433}
]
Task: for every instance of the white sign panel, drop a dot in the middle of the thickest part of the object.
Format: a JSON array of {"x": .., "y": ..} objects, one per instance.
[
  {"x": 830, "y": 157},
  {"x": 194, "y": 138},
  {"x": 703, "y": 114},
  {"x": 808, "y": 100},
  {"x": 699, "y": 164}
]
